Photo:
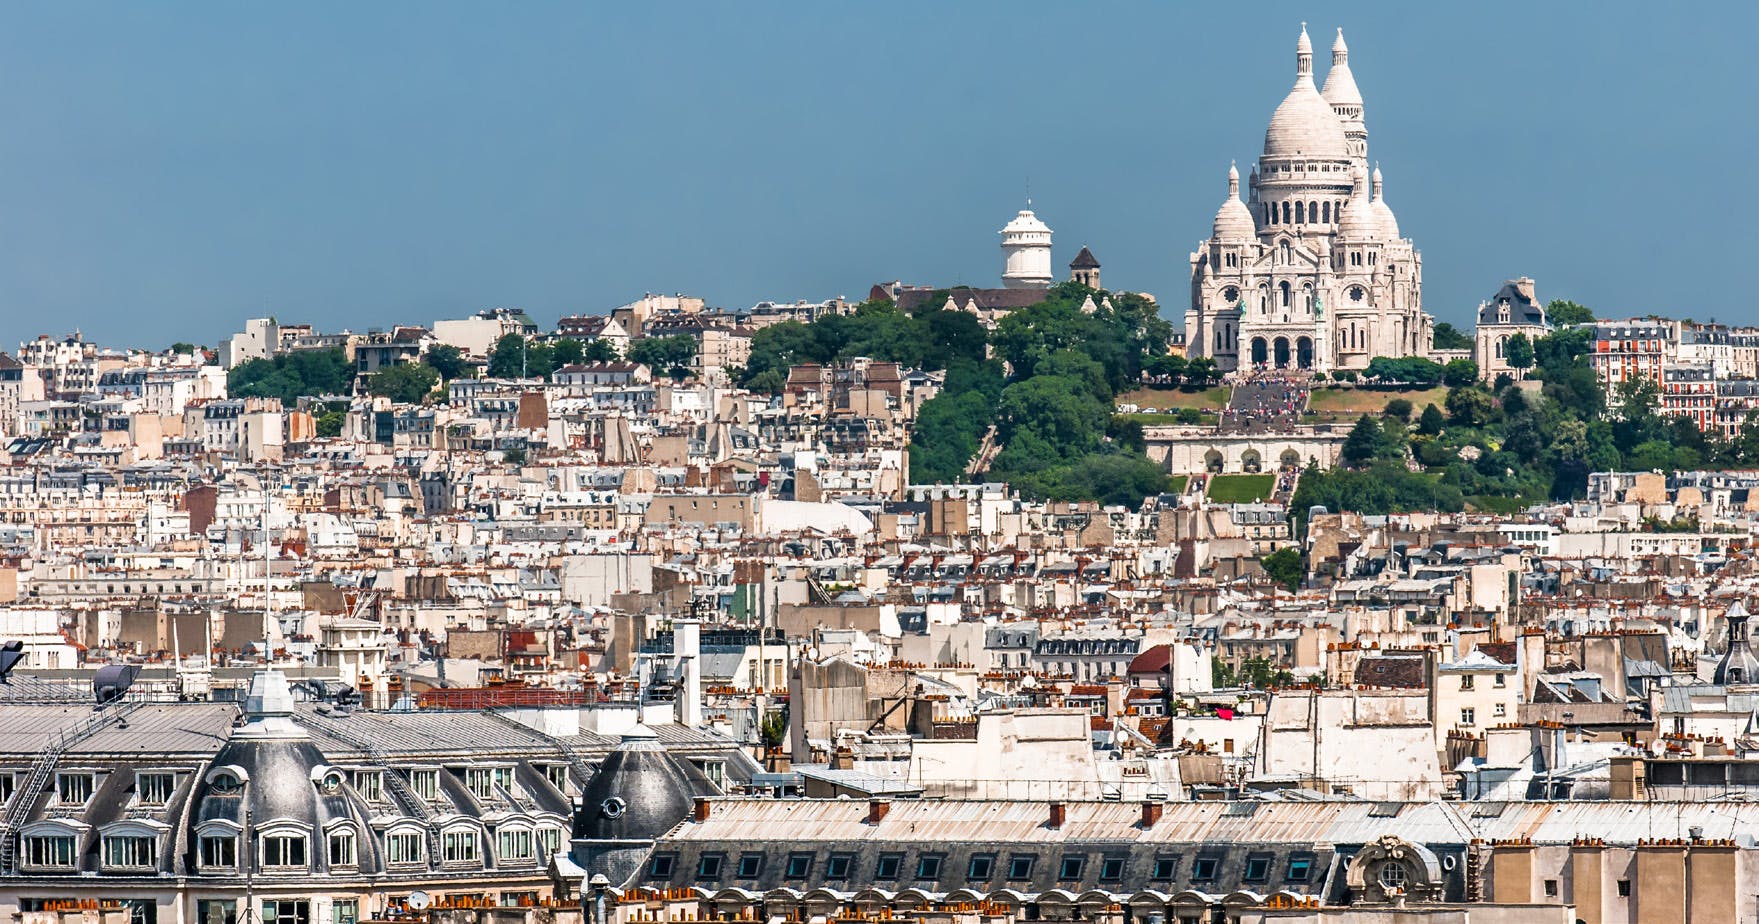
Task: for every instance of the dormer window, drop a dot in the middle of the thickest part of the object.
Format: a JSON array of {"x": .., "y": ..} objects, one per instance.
[
  {"x": 50, "y": 851},
  {"x": 283, "y": 851},
  {"x": 426, "y": 783},
  {"x": 131, "y": 851},
  {"x": 154, "y": 788},
  {"x": 74, "y": 788},
  {"x": 370, "y": 784},
  {"x": 342, "y": 851},
  {"x": 217, "y": 851},
  {"x": 461, "y": 847},
  {"x": 484, "y": 781}
]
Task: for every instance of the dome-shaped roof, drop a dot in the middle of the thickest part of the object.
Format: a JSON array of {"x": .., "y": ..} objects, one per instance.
[
  {"x": 1233, "y": 221},
  {"x": 1383, "y": 213},
  {"x": 1340, "y": 83},
  {"x": 639, "y": 793},
  {"x": 1304, "y": 123},
  {"x": 1358, "y": 222}
]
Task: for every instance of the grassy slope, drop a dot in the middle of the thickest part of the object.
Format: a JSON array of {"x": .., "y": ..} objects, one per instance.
[{"x": 1240, "y": 489}]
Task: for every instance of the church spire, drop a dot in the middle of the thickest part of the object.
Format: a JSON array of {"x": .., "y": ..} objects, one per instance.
[{"x": 1304, "y": 55}]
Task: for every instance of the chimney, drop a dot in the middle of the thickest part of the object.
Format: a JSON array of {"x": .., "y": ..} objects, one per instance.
[
  {"x": 877, "y": 809},
  {"x": 700, "y": 813},
  {"x": 687, "y": 647},
  {"x": 1151, "y": 813},
  {"x": 1057, "y": 815}
]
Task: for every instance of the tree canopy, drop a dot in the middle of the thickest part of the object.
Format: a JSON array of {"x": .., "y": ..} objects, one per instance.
[{"x": 291, "y": 376}]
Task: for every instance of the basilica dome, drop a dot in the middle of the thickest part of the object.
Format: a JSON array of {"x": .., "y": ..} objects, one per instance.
[
  {"x": 1305, "y": 124},
  {"x": 1383, "y": 213},
  {"x": 1233, "y": 221},
  {"x": 1359, "y": 223}
]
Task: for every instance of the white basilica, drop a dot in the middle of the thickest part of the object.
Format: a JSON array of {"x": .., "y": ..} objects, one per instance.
[{"x": 1310, "y": 270}]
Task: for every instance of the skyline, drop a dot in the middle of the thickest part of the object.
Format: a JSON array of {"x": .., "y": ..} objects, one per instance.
[{"x": 169, "y": 174}]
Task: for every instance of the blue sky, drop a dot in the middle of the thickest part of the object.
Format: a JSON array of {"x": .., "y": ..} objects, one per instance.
[{"x": 169, "y": 169}]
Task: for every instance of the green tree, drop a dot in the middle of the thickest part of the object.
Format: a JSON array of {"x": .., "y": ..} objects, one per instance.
[
  {"x": 291, "y": 376},
  {"x": 1285, "y": 567},
  {"x": 1400, "y": 408},
  {"x": 1459, "y": 372},
  {"x": 665, "y": 355},
  {"x": 329, "y": 423},
  {"x": 1562, "y": 313},
  {"x": 567, "y": 352},
  {"x": 404, "y": 383},
  {"x": 1430, "y": 422},
  {"x": 514, "y": 356},
  {"x": 1469, "y": 406},
  {"x": 1364, "y": 443},
  {"x": 447, "y": 360},
  {"x": 600, "y": 350},
  {"x": 1519, "y": 352},
  {"x": 1447, "y": 337},
  {"x": 186, "y": 349}
]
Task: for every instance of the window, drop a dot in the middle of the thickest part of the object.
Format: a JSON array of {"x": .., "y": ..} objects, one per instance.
[
  {"x": 981, "y": 867},
  {"x": 515, "y": 844},
  {"x": 1501, "y": 710},
  {"x": 1551, "y": 888},
  {"x": 928, "y": 867},
  {"x": 403, "y": 847},
  {"x": 219, "y": 851},
  {"x": 1300, "y": 868},
  {"x": 345, "y": 911},
  {"x": 1466, "y": 682},
  {"x": 216, "y": 911},
  {"x": 1020, "y": 866},
  {"x": 154, "y": 788},
  {"x": 370, "y": 785},
  {"x": 1624, "y": 888},
  {"x": 283, "y": 850},
  {"x": 708, "y": 866},
  {"x": 1257, "y": 869},
  {"x": 1165, "y": 868},
  {"x": 557, "y": 774},
  {"x": 1111, "y": 869},
  {"x": 1203, "y": 870},
  {"x": 50, "y": 851},
  {"x": 750, "y": 865},
  {"x": 888, "y": 866},
  {"x": 1392, "y": 875},
  {"x": 483, "y": 781},
  {"x": 549, "y": 841},
  {"x": 426, "y": 783},
  {"x": 1071, "y": 867},
  {"x": 837, "y": 867},
  {"x": 460, "y": 846},
  {"x": 1501, "y": 680},
  {"x": 1468, "y": 716},
  {"x": 73, "y": 788},
  {"x": 8, "y": 785},
  {"x": 126, "y": 850},
  {"x": 660, "y": 867},
  {"x": 287, "y": 912},
  {"x": 799, "y": 865}
]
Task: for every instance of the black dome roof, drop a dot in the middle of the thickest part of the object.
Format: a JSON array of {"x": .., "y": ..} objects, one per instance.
[{"x": 640, "y": 792}]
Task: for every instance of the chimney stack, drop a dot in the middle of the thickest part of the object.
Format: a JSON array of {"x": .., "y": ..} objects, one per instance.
[
  {"x": 1057, "y": 815},
  {"x": 700, "y": 813},
  {"x": 877, "y": 809},
  {"x": 1151, "y": 812}
]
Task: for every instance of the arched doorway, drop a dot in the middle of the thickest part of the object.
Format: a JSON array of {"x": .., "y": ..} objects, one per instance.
[
  {"x": 1290, "y": 459},
  {"x": 1212, "y": 462},
  {"x": 1282, "y": 352},
  {"x": 1304, "y": 352},
  {"x": 1251, "y": 461},
  {"x": 1260, "y": 351}
]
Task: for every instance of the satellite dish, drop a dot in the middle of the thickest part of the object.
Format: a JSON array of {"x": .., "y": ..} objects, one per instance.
[{"x": 419, "y": 900}]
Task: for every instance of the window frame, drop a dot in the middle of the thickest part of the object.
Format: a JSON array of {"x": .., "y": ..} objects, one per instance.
[
  {"x": 341, "y": 834},
  {"x": 973, "y": 873},
  {"x": 755, "y": 863},
  {"x": 1106, "y": 868},
  {"x": 140, "y": 786},
  {"x": 838, "y": 866},
  {"x": 661, "y": 865},
  {"x": 894, "y": 860},
  {"x": 708, "y": 866},
  {"x": 416, "y": 837},
  {"x": 62, "y": 838},
  {"x": 1204, "y": 869},
  {"x": 1306, "y": 867},
  {"x": 1063, "y": 873},
  {"x": 226, "y": 838},
  {"x": 1165, "y": 869},
  {"x": 928, "y": 867},
  {"x": 134, "y": 835},
  {"x": 1015, "y": 873},
  {"x": 285, "y": 840},
  {"x": 1262, "y": 864},
  {"x": 460, "y": 836}
]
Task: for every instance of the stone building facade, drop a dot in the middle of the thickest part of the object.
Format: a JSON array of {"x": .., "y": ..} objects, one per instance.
[{"x": 1309, "y": 270}]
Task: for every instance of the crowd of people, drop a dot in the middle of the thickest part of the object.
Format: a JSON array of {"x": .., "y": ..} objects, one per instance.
[{"x": 1265, "y": 402}]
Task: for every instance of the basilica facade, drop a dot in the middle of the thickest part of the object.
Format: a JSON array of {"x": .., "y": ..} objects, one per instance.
[{"x": 1309, "y": 270}]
